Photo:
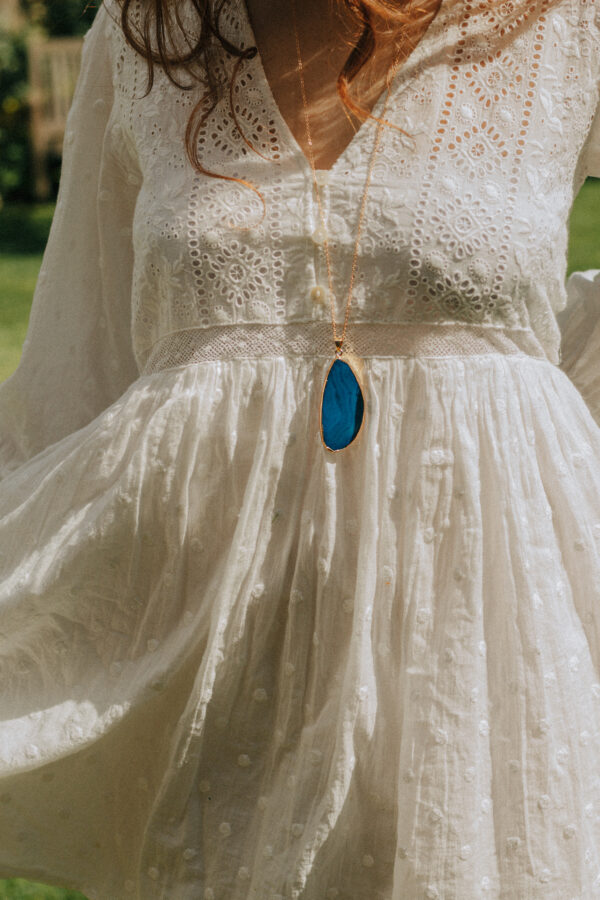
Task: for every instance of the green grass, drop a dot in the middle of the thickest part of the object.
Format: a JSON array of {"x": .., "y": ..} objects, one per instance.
[
  {"x": 19, "y": 889},
  {"x": 24, "y": 233},
  {"x": 18, "y": 275}
]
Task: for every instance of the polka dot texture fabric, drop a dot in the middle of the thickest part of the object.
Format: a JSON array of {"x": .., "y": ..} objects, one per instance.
[{"x": 234, "y": 666}]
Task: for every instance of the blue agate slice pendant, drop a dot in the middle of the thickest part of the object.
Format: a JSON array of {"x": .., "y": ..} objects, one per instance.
[{"x": 342, "y": 406}]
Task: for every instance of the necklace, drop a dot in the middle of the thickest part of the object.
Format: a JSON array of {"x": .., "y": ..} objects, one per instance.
[{"x": 342, "y": 400}]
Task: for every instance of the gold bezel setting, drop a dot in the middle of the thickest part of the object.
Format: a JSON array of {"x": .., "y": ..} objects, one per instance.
[{"x": 354, "y": 363}]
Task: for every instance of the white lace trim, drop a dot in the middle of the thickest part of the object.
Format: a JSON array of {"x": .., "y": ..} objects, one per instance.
[{"x": 315, "y": 339}]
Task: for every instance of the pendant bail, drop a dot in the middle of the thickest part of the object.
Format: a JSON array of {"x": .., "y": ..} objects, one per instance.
[{"x": 338, "y": 347}]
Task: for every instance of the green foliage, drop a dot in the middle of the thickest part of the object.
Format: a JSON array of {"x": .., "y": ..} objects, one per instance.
[
  {"x": 61, "y": 17},
  {"x": 15, "y": 157},
  {"x": 25, "y": 228}
]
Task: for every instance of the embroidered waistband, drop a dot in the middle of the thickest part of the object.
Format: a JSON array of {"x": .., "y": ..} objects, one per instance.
[{"x": 315, "y": 339}]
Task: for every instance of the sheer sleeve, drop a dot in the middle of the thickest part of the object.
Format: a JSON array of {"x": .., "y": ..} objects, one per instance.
[
  {"x": 579, "y": 321},
  {"x": 77, "y": 357}
]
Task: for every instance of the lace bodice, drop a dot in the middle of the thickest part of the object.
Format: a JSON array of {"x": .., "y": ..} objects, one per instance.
[
  {"x": 465, "y": 232},
  {"x": 468, "y": 223}
]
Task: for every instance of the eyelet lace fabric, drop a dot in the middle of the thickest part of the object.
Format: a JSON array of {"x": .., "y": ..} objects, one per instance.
[
  {"x": 314, "y": 339},
  {"x": 232, "y": 666}
]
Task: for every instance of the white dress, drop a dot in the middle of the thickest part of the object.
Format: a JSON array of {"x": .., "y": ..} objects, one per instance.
[{"x": 233, "y": 665}]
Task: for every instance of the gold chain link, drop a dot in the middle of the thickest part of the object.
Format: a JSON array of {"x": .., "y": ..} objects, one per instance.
[{"x": 339, "y": 341}]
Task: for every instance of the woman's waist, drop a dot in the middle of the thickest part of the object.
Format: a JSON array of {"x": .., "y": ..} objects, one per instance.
[{"x": 315, "y": 339}]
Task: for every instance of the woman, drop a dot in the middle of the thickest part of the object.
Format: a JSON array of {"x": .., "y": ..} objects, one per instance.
[{"x": 268, "y": 632}]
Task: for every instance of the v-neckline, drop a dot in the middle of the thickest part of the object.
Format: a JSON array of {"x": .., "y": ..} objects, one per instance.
[{"x": 413, "y": 57}]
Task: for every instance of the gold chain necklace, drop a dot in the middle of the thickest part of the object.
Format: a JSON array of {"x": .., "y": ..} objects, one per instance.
[{"x": 342, "y": 399}]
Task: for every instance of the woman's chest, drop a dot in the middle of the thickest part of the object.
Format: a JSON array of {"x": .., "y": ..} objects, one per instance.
[{"x": 465, "y": 212}]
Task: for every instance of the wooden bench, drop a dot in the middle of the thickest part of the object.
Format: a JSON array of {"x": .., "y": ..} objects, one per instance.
[{"x": 53, "y": 67}]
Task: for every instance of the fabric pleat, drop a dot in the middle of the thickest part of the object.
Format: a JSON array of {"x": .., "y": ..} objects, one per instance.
[{"x": 375, "y": 672}]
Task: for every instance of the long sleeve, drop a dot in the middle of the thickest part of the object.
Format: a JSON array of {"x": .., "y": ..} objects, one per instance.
[
  {"x": 579, "y": 321},
  {"x": 77, "y": 357}
]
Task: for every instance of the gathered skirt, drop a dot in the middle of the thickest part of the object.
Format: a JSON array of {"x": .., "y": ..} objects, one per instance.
[{"x": 236, "y": 666}]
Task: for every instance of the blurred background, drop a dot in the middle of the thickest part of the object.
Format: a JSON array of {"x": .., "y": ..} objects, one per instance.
[{"x": 40, "y": 51}]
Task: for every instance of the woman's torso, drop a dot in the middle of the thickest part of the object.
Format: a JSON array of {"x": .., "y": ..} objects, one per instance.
[{"x": 466, "y": 224}]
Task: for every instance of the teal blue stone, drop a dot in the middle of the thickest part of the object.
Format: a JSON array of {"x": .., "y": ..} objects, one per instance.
[{"x": 343, "y": 406}]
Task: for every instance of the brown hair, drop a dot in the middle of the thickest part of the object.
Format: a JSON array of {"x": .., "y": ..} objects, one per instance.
[{"x": 162, "y": 17}]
